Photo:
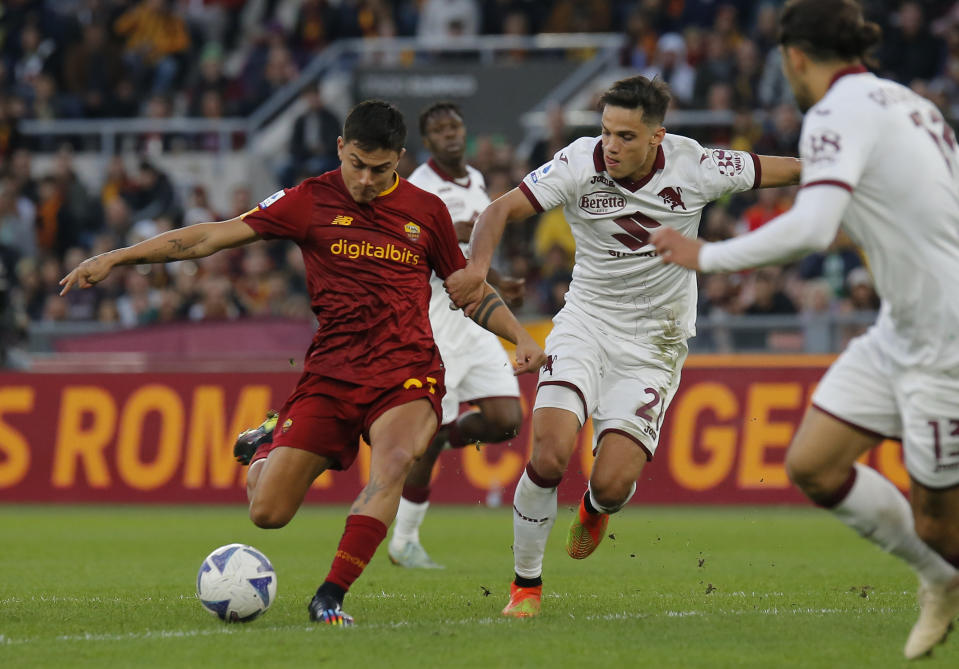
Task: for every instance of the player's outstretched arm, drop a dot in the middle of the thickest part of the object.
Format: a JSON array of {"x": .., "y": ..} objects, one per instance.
[
  {"x": 493, "y": 315},
  {"x": 194, "y": 241},
  {"x": 779, "y": 171},
  {"x": 465, "y": 286}
]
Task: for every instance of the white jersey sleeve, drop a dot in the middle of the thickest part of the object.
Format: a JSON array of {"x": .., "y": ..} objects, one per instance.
[
  {"x": 555, "y": 183},
  {"x": 724, "y": 171},
  {"x": 835, "y": 146}
]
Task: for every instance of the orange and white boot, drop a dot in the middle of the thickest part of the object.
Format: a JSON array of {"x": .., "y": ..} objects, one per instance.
[
  {"x": 585, "y": 532},
  {"x": 523, "y": 602}
]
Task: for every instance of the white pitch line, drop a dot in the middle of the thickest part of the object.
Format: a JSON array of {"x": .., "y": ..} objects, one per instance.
[{"x": 623, "y": 615}]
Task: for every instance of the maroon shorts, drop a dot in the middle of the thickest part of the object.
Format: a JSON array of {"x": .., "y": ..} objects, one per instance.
[{"x": 328, "y": 416}]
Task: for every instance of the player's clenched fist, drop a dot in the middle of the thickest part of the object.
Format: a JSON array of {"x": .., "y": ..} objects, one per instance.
[
  {"x": 465, "y": 288},
  {"x": 529, "y": 356}
]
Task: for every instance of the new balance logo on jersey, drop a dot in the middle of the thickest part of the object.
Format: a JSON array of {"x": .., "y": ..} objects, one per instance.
[
  {"x": 342, "y": 220},
  {"x": 602, "y": 203},
  {"x": 673, "y": 197}
]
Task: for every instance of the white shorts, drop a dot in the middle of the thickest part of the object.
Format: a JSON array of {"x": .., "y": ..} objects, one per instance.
[
  {"x": 863, "y": 388},
  {"x": 626, "y": 386},
  {"x": 478, "y": 368}
]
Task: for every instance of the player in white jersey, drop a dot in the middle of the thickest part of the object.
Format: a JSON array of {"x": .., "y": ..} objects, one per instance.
[
  {"x": 881, "y": 162},
  {"x": 618, "y": 345},
  {"x": 478, "y": 370}
]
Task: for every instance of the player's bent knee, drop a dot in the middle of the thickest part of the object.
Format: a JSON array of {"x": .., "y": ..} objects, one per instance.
[
  {"x": 269, "y": 518},
  {"x": 549, "y": 463},
  {"x": 394, "y": 463},
  {"x": 611, "y": 495}
]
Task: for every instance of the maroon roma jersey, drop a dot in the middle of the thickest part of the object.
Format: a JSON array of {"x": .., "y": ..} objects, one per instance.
[{"x": 368, "y": 273}]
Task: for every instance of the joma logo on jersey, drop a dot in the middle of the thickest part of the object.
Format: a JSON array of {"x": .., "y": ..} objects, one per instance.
[
  {"x": 602, "y": 202},
  {"x": 364, "y": 249},
  {"x": 599, "y": 178},
  {"x": 342, "y": 220}
]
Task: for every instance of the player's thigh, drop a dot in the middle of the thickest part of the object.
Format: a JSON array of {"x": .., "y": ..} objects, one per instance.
[
  {"x": 637, "y": 392},
  {"x": 618, "y": 464},
  {"x": 400, "y": 434},
  {"x": 554, "y": 439},
  {"x": 936, "y": 513},
  {"x": 283, "y": 481}
]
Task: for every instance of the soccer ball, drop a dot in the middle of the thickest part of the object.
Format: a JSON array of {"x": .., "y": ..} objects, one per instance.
[{"x": 236, "y": 583}]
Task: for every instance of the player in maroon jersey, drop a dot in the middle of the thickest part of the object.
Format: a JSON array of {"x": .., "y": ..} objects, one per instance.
[{"x": 370, "y": 241}]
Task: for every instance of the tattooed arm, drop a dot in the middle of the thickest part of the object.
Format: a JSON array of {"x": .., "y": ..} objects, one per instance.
[
  {"x": 493, "y": 315},
  {"x": 195, "y": 241}
]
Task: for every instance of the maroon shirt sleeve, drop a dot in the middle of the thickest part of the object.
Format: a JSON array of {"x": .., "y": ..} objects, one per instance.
[
  {"x": 286, "y": 214},
  {"x": 445, "y": 254}
]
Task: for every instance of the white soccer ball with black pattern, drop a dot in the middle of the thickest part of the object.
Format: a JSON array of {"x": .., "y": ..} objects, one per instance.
[{"x": 236, "y": 583}]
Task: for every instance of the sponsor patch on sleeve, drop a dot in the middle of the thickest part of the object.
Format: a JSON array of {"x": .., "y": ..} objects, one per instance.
[{"x": 273, "y": 198}]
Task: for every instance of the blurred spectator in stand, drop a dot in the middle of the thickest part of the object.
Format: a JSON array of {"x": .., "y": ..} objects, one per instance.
[
  {"x": 18, "y": 236},
  {"x": 641, "y": 41},
  {"x": 314, "y": 28},
  {"x": 211, "y": 109},
  {"x": 33, "y": 58},
  {"x": 717, "y": 303},
  {"x": 765, "y": 33},
  {"x": 312, "y": 146},
  {"x": 746, "y": 131},
  {"x": 209, "y": 76},
  {"x": 762, "y": 295},
  {"x": 153, "y": 194},
  {"x": 91, "y": 71},
  {"x": 21, "y": 172},
  {"x": 720, "y": 100},
  {"x": 198, "y": 208},
  {"x": 862, "y": 302},
  {"x": 444, "y": 20},
  {"x": 746, "y": 76},
  {"x": 10, "y": 136},
  {"x": 909, "y": 51},
  {"x": 832, "y": 265},
  {"x": 579, "y": 16},
  {"x": 670, "y": 65},
  {"x": 816, "y": 316},
  {"x": 770, "y": 203},
  {"x": 137, "y": 298},
  {"x": 117, "y": 181},
  {"x": 279, "y": 70},
  {"x": 157, "y": 44},
  {"x": 781, "y": 132},
  {"x": 252, "y": 287},
  {"x": 556, "y": 137},
  {"x": 216, "y": 301},
  {"x": 774, "y": 90},
  {"x": 156, "y": 143},
  {"x": 81, "y": 212},
  {"x": 716, "y": 68}
]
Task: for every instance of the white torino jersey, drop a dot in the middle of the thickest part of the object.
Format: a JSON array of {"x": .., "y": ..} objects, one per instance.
[
  {"x": 465, "y": 199},
  {"x": 618, "y": 278},
  {"x": 894, "y": 152}
]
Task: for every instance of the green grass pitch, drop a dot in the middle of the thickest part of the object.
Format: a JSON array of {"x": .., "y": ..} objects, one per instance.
[{"x": 670, "y": 587}]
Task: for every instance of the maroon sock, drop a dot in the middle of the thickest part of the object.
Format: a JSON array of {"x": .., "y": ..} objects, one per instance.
[
  {"x": 359, "y": 541},
  {"x": 416, "y": 493}
]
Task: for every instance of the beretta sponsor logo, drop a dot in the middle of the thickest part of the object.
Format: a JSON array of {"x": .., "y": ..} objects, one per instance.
[{"x": 602, "y": 202}]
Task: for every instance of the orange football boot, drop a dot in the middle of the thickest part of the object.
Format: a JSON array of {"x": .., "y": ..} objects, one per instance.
[
  {"x": 585, "y": 532},
  {"x": 523, "y": 602}
]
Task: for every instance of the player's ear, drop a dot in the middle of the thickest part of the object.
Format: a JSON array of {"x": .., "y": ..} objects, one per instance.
[
  {"x": 794, "y": 59},
  {"x": 339, "y": 147},
  {"x": 657, "y": 137}
]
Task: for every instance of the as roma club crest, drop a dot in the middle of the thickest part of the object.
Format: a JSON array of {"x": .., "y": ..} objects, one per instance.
[{"x": 412, "y": 231}]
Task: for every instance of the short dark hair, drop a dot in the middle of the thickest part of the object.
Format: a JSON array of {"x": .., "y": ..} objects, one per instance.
[
  {"x": 652, "y": 96},
  {"x": 375, "y": 124},
  {"x": 828, "y": 30},
  {"x": 438, "y": 108}
]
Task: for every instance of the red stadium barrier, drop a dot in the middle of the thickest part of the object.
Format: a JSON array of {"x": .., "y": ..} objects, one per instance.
[{"x": 168, "y": 438}]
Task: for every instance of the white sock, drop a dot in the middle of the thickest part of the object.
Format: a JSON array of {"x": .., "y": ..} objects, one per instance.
[
  {"x": 877, "y": 510},
  {"x": 406, "y": 527},
  {"x": 534, "y": 512},
  {"x": 603, "y": 509}
]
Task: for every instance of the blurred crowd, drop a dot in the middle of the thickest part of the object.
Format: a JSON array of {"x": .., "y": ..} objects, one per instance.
[{"x": 221, "y": 58}]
